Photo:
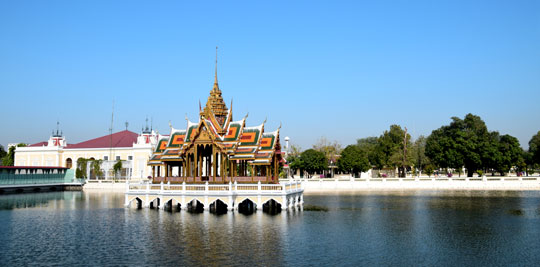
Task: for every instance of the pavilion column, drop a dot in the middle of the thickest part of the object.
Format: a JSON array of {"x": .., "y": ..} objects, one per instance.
[
  {"x": 191, "y": 159},
  {"x": 153, "y": 171},
  {"x": 214, "y": 165},
  {"x": 231, "y": 169},
  {"x": 198, "y": 162},
  {"x": 252, "y": 172},
  {"x": 188, "y": 162},
  {"x": 200, "y": 167},
  {"x": 221, "y": 167},
  {"x": 276, "y": 169}
]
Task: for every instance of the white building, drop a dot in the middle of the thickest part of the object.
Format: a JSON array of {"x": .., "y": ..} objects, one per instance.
[{"x": 133, "y": 149}]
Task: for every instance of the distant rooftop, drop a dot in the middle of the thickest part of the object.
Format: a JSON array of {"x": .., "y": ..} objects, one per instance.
[{"x": 120, "y": 139}]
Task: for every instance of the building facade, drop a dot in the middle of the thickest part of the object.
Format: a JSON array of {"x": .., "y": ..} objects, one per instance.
[{"x": 134, "y": 150}]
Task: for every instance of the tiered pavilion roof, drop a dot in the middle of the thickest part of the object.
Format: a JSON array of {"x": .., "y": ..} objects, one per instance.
[{"x": 217, "y": 148}]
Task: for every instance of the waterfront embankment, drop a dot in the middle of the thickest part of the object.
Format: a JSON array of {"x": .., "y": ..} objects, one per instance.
[
  {"x": 377, "y": 184},
  {"x": 105, "y": 186},
  {"x": 422, "y": 183}
]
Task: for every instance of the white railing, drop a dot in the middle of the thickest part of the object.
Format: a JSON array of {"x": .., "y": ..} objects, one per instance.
[
  {"x": 186, "y": 188},
  {"x": 486, "y": 182},
  {"x": 426, "y": 179}
]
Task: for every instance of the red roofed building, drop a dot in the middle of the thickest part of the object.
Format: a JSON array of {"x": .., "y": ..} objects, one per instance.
[{"x": 133, "y": 149}]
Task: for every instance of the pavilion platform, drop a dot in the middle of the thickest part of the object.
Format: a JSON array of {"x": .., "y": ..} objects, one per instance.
[{"x": 206, "y": 197}]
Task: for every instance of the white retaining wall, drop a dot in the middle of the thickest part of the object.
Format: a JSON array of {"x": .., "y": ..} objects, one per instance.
[{"x": 463, "y": 183}]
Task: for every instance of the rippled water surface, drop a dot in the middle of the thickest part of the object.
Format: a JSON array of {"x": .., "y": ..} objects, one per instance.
[{"x": 382, "y": 228}]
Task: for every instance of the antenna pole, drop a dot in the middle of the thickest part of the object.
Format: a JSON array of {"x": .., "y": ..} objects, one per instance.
[{"x": 111, "y": 132}]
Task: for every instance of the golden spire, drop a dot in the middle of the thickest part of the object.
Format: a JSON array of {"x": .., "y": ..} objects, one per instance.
[
  {"x": 215, "y": 75},
  {"x": 215, "y": 106}
]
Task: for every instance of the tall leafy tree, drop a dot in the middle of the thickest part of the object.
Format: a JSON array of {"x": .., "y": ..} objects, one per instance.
[
  {"x": 9, "y": 158},
  {"x": 3, "y": 153},
  {"x": 353, "y": 159},
  {"x": 511, "y": 153},
  {"x": 462, "y": 143},
  {"x": 419, "y": 158},
  {"x": 525, "y": 162},
  {"x": 368, "y": 145},
  {"x": 390, "y": 152},
  {"x": 81, "y": 171},
  {"x": 117, "y": 167},
  {"x": 474, "y": 141},
  {"x": 534, "y": 148},
  {"x": 96, "y": 168},
  {"x": 294, "y": 160},
  {"x": 330, "y": 149},
  {"x": 492, "y": 157},
  {"x": 295, "y": 163},
  {"x": 313, "y": 161}
]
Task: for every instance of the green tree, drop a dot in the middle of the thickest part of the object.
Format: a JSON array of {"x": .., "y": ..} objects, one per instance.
[
  {"x": 117, "y": 167},
  {"x": 534, "y": 148},
  {"x": 428, "y": 169},
  {"x": 294, "y": 160},
  {"x": 389, "y": 151},
  {"x": 330, "y": 149},
  {"x": 96, "y": 168},
  {"x": 295, "y": 163},
  {"x": 525, "y": 163},
  {"x": 419, "y": 158},
  {"x": 9, "y": 158},
  {"x": 313, "y": 161},
  {"x": 3, "y": 153},
  {"x": 368, "y": 145},
  {"x": 353, "y": 159},
  {"x": 511, "y": 154},
  {"x": 462, "y": 143},
  {"x": 81, "y": 170},
  {"x": 492, "y": 157},
  {"x": 474, "y": 142}
]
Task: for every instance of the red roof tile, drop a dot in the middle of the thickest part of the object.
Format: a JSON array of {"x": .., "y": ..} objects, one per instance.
[
  {"x": 44, "y": 143},
  {"x": 120, "y": 139}
]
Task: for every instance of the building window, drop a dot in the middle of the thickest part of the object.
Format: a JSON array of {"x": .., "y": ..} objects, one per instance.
[
  {"x": 117, "y": 157},
  {"x": 130, "y": 157},
  {"x": 69, "y": 163},
  {"x": 106, "y": 158}
]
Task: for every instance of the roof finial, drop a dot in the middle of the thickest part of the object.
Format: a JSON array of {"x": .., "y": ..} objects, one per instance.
[{"x": 215, "y": 76}]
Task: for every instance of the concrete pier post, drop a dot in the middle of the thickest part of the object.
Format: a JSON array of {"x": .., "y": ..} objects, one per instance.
[
  {"x": 146, "y": 203},
  {"x": 126, "y": 202},
  {"x": 230, "y": 207}
]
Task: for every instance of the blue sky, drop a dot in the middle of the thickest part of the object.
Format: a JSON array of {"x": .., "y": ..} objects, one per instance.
[{"x": 340, "y": 69}]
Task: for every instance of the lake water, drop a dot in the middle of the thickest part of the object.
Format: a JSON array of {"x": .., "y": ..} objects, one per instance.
[{"x": 371, "y": 228}]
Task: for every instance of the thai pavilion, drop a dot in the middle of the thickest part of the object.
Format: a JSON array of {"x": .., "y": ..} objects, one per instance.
[
  {"x": 217, "y": 149},
  {"x": 216, "y": 164}
]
